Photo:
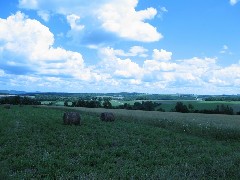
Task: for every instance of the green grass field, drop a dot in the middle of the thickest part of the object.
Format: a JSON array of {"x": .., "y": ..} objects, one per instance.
[
  {"x": 168, "y": 105},
  {"x": 34, "y": 144}
]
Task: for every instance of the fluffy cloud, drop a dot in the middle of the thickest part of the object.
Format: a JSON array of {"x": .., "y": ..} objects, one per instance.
[
  {"x": 121, "y": 68},
  {"x": 120, "y": 16},
  {"x": 162, "y": 55},
  {"x": 32, "y": 45},
  {"x": 233, "y": 2},
  {"x": 138, "y": 50},
  {"x": 127, "y": 69},
  {"x": 153, "y": 65},
  {"x": 228, "y": 76},
  {"x": 194, "y": 72},
  {"x": 29, "y": 58},
  {"x": 115, "y": 16},
  {"x": 73, "y": 20},
  {"x": 31, "y": 39},
  {"x": 76, "y": 28},
  {"x": 133, "y": 51}
]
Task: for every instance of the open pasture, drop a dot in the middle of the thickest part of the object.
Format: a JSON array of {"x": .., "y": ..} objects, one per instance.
[
  {"x": 168, "y": 105},
  {"x": 34, "y": 143},
  {"x": 214, "y": 125}
]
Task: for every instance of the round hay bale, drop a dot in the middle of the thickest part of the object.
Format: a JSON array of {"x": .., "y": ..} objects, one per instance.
[
  {"x": 70, "y": 118},
  {"x": 7, "y": 106},
  {"x": 107, "y": 116}
]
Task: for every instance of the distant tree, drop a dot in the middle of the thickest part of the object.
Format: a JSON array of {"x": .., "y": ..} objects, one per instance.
[
  {"x": 127, "y": 106},
  {"x": 81, "y": 103},
  {"x": 161, "y": 109},
  {"x": 180, "y": 107},
  {"x": 88, "y": 97},
  {"x": 74, "y": 104},
  {"x": 137, "y": 106},
  {"x": 148, "y": 106},
  {"x": 222, "y": 109},
  {"x": 107, "y": 98},
  {"x": 228, "y": 110},
  {"x": 190, "y": 107},
  {"x": 16, "y": 100},
  {"x": 94, "y": 98},
  {"x": 107, "y": 104},
  {"x": 100, "y": 99},
  {"x": 93, "y": 104},
  {"x": 65, "y": 103}
]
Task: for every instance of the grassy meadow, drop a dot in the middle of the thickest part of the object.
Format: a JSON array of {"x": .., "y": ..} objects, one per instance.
[
  {"x": 200, "y": 105},
  {"x": 34, "y": 144},
  {"x": 168, "y": 105}
]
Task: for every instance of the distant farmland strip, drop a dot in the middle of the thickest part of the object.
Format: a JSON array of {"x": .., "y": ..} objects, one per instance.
[{"x": 212, "y": 125}]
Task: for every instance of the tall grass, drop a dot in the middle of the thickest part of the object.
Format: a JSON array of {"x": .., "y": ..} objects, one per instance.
[
  {"x": 221, "y": 127},
  {"x": 34, "y": 144}
]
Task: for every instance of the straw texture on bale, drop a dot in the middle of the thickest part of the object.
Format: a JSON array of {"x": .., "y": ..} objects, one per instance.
[
  {"x": 107, "y": 116},
  {"x": 70, "y": 118}
]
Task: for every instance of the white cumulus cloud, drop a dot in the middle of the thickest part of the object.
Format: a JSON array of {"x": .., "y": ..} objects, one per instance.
[
  {"x": 122, "y": 68},
  {"x": 138, "y": 50},
  {"x": 161, "y": 55},
  {"x": 30, "y": 38},
  {"x": 120, "y": 17},
  {"x": 153, "y": 65},
  {"x": 115, "y": 16},
  {"x": 32, "y": 46},
  {"x": 73, "y": 20}
]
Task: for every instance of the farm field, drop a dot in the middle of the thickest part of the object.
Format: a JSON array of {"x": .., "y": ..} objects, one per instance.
[
  {"x": 34, "y": 143},
  {"x": 200, "y": 105},
  {"x": 168, "y": 105}
]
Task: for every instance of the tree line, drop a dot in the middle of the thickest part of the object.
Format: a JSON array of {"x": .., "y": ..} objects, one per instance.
[
  {"x": 94, "y": 102},
  {"x": 144, "y": 105},
  {"x": 220, "y": 109},
  {"x": 223, "y": 98},
  {"x": 106, "y": 103},
  {"x": 19, "y": 100}
]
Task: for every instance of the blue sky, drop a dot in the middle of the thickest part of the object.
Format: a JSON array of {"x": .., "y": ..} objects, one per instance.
[{"x": 150, "y": 46}]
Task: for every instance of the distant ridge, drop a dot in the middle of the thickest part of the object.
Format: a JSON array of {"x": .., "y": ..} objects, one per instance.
[
  {"x": 12, "y": 92},
  {"x": 15, "y": 92}
]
